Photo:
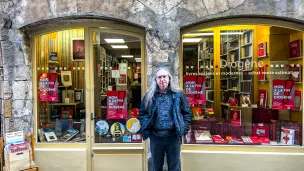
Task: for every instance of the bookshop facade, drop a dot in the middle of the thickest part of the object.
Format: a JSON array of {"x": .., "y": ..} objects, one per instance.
[{"x": 76, "y": 82}]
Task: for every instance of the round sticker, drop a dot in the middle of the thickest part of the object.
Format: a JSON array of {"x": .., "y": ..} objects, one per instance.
[
  {"x": 133, "y": 125},
  {"x": 117, "y": 129},
  {"x": 134, "y": 112},
  {"x": 102, "y": 127}
]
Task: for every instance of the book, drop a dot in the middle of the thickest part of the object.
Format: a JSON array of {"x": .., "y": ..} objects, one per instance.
[
  {"x": 262, "y": 49},
  {"x": 287, "y": 136},
  {"x": 262, "y": 73},
  {"x": 264, "y": 141},
  {"x": 295, "y": 48},
  {"x": 218, "y": 139},
  {"x": 262, "y": 101},
  {"x": 296, "y": 72},
  {"x": 260, "y": 130},
  {"x": 246, "y": 139},
  {"x": 235, "y": 117},
  {"x": 202, "y": 136},
  {"x": 298, "y": 100}
]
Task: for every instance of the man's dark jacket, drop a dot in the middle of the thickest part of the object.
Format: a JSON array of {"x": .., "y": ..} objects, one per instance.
[{"x": 181, "y": 114}]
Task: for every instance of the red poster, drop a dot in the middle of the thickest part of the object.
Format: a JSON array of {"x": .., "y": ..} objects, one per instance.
[
  {"x": 283, "y": 94},
  {"x": 48, "y": 87},
  {"x": 195, "y": 89},
  {"x": 116, "y": 105}
]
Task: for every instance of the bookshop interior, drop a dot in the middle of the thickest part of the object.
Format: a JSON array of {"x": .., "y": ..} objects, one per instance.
[
  {"x": 61, "y": 104},
  {"x": 243, "y": 84}
]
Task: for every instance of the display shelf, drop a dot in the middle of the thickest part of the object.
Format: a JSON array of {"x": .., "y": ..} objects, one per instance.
[
  {"x": 64, "y": 104},
  {"x": 247, "y": 44},
  {"x": 233, "y": 49},
  {"x": 290, "y": 59},
  {"x": 261, "y": 57},
  {"x": 247, "y": 57}
]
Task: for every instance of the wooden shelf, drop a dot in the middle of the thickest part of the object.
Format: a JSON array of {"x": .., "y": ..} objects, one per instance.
[
  {"x": 247, "y": 44},
  {"x": 247, "y": 57},
  {"x": 263, "y": 56},
  {"x": 62, "y": 86},
  {"x": 234, "y": 49},
  {"x": 64, "y": 104},
  {"x": 295, "y": 58}
]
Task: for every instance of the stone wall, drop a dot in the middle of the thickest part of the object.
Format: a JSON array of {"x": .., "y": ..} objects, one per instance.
[{"x": 162, "y": 20}]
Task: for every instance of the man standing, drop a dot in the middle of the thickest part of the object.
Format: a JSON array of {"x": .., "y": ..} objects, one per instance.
[{"x": 164, "y": 116}]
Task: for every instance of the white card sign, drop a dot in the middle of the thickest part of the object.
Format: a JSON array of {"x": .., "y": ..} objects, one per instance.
[
  {"x": 115, "y": 74},
  {"x": 14, "y": 137}
]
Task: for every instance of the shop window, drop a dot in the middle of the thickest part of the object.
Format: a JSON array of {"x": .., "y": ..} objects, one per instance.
[
  {"x": 61, "y": 83},
  {"x": 117, "y": 58},
  {"x": 244, "y": 85}
]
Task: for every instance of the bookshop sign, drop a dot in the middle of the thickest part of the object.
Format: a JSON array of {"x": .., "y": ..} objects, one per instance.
[{"x": 195, "y": 88}]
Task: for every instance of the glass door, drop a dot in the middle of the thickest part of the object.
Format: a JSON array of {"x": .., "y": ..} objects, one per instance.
[{"x": 117, "y": 57}]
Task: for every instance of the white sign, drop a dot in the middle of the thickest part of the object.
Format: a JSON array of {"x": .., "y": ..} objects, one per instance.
[
  {"x": 115, "y": 74},
  {"x": 14, "y": 137}
]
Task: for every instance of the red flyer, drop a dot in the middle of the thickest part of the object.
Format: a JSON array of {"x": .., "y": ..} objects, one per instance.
[
  {"x": 116, "y": 104},
  {"x": 48, "y": 87},
  {"x": 262, "y": 73},
  {"x": 283, "y": 94},
  {"x": 262, "y": 49},
  {"x": 262, "y": 98},
  {"x": 195, "y": 89},
  {"x": 295, "y": 48}
]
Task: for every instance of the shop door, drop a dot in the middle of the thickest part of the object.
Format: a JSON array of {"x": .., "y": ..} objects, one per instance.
[{"x": 116, "y": 57}]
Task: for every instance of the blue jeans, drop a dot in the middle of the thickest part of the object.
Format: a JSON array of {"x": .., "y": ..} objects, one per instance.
[{"x": 169, "y": 145}]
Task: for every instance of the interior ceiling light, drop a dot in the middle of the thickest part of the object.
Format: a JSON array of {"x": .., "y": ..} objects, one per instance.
[
  {"x": 114, "y": 40},
  {"x": 194, "y": 40},
  {"x": 231, "y": 33},
  {"x": 127, "y": 56},
  {"x": 198, "y": 34},
  {"x": 119, "y": 46}
]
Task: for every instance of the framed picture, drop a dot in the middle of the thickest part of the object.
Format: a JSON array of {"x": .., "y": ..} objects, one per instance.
[
  {"x": 78, "y": 49},
  {"x": 78, "y": 95}
]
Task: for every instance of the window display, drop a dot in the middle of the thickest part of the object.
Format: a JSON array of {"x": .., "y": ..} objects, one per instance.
[
  {"x": 117, "y": 88},
  {"x": 60, "y": 79},
  {"x": 251, "y": 85}
]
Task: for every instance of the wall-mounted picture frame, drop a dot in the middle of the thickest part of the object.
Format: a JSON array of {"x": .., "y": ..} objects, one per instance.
[
  {"x": 50, "y": 136},
  {"x": 78, "y": 95},
  {"x": 78, "y": 49}
]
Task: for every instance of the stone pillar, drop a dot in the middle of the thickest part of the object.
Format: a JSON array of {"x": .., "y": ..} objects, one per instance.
[
  {"x": 15, "y": 81},
  {"x": 162, "y": 46}
]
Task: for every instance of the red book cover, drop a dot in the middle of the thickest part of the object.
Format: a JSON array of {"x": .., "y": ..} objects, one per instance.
[
  {"x": 295, "y": 49},
  {"x": 262, "y": 73},
  {"x": 255, "y": 139},
  {"x": 260, "y": 130},
  {"x": 264, "y": 141},
  {"x": 298, "y": 100},
  {"x": 262, "y": 49},
  {"x": 262, "y": 98},
  {"x": 296, "y": 72},
  {"x": 218, "y": 139},
  {"x": 235, "y": 117}
]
